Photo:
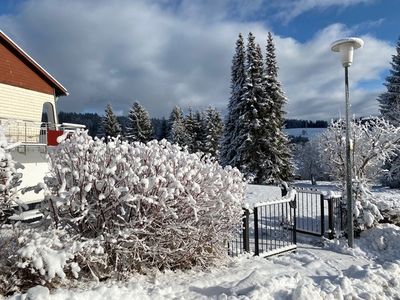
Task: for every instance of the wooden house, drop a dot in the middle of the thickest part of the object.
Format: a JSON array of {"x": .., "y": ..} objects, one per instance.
[{"x": 28, "y": 93}]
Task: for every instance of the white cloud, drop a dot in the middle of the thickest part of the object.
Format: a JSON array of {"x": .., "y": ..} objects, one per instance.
[
  {"x": 122, "y": 51},
  {"x": 314, "y": 78},
  {"x": 290, "y": 9}
]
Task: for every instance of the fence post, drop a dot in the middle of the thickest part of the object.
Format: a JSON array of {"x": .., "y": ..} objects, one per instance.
[
  {"x": 330, "y": 218},
  {"x": 322, "y": 215},
  {"x": 256, "y": 246},
  {"x": 246, "y": 231},
  {"x": 293, "y": 204}
]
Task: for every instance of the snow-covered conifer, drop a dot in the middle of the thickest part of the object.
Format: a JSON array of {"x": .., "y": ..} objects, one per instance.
[
  {"x": 110, "y": 124},
  {"x": 252, "y": 152},
  {"x": 229, "y": 142},
  {"x": 389, "y": 103},
  {"x": 191, "y": 132},
  {"x": 178, "y": 133},
  {"x": 196, "y": 133},
  {"x": 214, "y": 129},
  {"x": 140, "y": 128},
  {"x": 280, "y": 152},
  {"x": 164, "y": 129}
]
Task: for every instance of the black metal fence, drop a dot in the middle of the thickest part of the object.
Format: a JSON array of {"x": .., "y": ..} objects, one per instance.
[
  {"x": 271, "y": 228},
  {"x": 318, "y": 214},
  {"x": 268, "y": 229}
]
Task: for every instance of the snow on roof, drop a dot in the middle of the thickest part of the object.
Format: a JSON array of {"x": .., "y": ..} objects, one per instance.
[{"x": 62, "y": 90}]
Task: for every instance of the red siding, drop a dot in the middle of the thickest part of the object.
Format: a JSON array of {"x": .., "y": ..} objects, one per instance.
[{"x": 14, "y": 71}]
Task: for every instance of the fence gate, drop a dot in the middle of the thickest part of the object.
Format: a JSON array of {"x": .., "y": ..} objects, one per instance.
[
  {"x": 318, "y": 214},
  {"x": 268, "y": 229}
]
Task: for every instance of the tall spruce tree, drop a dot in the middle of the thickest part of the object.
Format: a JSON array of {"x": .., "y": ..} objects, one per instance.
[
  {"x": 190, "y": 125},
  {"x": 200, "y": 131},
  {"x": 164, "y": 129},
  {"x": 213, "y": 131},
  {"x": 110, "y": 124},
  {"x": 195, "y": 129},
  {"x": 280, "y": 153},
  {"x": 253, "y": 143},
  {"x": 140, "y": 128},
  {"x": 177, "y": 133},
  {"x": 389, "y": 101},
  {"x": 229, "y": 142},
  {"x": 389, "y": 105}
]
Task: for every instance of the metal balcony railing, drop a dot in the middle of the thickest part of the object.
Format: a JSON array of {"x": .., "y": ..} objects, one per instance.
[{"x": 28, "y": 132}]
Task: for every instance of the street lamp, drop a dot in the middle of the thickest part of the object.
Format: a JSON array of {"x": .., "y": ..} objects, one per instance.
[{"x": 346, "y": 48}]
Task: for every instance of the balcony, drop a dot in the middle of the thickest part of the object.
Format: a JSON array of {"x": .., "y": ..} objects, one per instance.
[{"x": 33, "y": 133}]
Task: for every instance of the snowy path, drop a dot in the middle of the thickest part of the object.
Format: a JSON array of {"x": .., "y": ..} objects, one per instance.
[{"x": 313, "y": 272}]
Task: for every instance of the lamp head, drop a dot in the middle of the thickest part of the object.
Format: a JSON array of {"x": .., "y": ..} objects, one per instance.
[{"x": 346, "y": 48}]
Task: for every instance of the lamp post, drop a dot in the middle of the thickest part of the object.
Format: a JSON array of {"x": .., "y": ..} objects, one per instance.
[{"x": 346, "y": 48}]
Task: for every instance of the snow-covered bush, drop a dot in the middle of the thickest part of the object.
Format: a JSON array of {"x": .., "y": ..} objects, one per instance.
[
  {"x": 307, "y": 162},
  {"x": 374, "y": 142},
  {"x": 151, "y": 205},
  {"x": 9, "y": 178}
]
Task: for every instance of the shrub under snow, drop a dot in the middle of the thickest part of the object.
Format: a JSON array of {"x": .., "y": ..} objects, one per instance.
[
  {"x": 9, "y": 178},
  {"x": 374, "y": 142},
  {"x": 151, "y": 205}
]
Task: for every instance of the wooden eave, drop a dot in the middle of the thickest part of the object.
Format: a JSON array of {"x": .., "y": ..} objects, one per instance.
[{"x": 60, "y": 90}]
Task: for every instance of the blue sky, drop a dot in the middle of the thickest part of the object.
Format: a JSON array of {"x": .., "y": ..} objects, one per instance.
[{"x": 178, "y": 52}]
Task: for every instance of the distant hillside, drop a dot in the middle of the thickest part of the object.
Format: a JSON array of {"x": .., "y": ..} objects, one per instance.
[{"x": 306, "y": 133}]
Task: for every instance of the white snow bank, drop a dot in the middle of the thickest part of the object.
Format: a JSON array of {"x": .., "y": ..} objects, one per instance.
[
  {"x": 261, "y": 193},
  {"x": 331, "y": 272}
]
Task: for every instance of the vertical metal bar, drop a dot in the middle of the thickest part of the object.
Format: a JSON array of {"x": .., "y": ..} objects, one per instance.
[
  {"x": 322, "y": 215},
  {"x": 261, "y": 232},
  {"x": 282, "y": 225},
  {"x": 307, "y": 210},
  {"x": 266, "y": 227},
  {"x": 256, "y": 246},
  {"x": 286, "y": 218},
  {"x": 301, "y": 199},
  {"x": 275, "y": 227},
  {"x": 313, "y": 223},
  {"x": 331, "y": 223},
  {"x": 246, "y": 231},
  {"x": 294, "y": 222},
  {"x": 270, "y": 227},
  {"x": 350, "y": 225}
]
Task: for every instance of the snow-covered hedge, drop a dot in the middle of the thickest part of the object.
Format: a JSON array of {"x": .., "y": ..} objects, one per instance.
[
  {"x": 152, "y": 205},
  {"x": 9, "y": 178},
  {"x": 374, "y": 141}
]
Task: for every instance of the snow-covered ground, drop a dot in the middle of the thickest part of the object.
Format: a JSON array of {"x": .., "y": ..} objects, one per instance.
[
  {"x": 326, "y": 271},
  {"x": 319, "y": 269}
]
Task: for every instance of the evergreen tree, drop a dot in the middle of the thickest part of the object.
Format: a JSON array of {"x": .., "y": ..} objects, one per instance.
[
  {"x": 177, "y": 134},
  {"x": 280, "y": 153},
  {"x": 140, "y": 128},
  {"x": 196, "y": 133},
  {"x": 111, "y": 127},
  {"x": 213, "y": 132},
  {"x": 163, "y": 129},
  {"x": 190, "y": 125},
  {"x": 229, "y": 140},
  {"x": 200, "y": 132},
  {"x": 389, "y": 101},
  {"x": 389, "y": 104},
  {"x": 253, "y": 151}
]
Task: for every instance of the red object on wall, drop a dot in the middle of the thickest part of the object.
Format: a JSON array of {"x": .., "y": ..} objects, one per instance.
[{"x": 52, "y": 136}]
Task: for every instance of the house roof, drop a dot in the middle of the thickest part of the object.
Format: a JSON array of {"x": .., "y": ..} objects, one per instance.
[{"x": 60, "y": 90}]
